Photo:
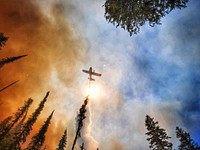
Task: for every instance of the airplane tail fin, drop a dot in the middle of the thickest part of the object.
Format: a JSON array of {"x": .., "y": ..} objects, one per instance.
[{"x": 91, "y": 79}]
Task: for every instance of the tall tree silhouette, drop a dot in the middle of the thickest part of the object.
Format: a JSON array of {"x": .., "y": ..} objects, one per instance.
[
  {"x": 13, "y": 135},
  {"x": 3, "y": 39},
  {"x": 186, "y": 143},
  {"x": 63, "y": 141},
  {"x": 157, "y": 136},
  {"x": 38, "y": 140},
  {"x": 79, "y": 120},
  {"x": 28, "y": 125},
  {"x": 20, "y": 112},
  {"x": 3, "y": 126},
  {"x": 132, "y": 14},
  {"x": 9, "y": 60}
]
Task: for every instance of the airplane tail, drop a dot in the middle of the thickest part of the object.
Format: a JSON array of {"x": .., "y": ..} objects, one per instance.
[{"x": 91, "y": 79}]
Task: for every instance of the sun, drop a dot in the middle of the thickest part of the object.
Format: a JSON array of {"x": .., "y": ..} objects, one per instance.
[{"x": 93, "y": 91}]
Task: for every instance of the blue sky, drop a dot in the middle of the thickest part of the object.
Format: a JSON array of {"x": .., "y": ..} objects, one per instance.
[{"x": 160, "y": 65}]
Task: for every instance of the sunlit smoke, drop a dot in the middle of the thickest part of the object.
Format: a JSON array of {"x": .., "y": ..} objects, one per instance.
[
  {"x": 86, "y": 137},
  {"x": 52, "y": 47},
  {"x": 93, "y": 91}
]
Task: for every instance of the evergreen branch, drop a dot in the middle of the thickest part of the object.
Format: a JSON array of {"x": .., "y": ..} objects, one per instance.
[{"x": 9, "y": 60}]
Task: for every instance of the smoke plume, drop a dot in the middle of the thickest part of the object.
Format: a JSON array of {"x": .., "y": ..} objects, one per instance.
[{"x": 54, "y": 51}]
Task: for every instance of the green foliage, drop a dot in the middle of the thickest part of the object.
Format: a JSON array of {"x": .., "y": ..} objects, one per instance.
[
  {"x": 3, "y": 39},
  {"x": 132, "y": 14},
  {"x": 38, "y": 140},
  {"x": 186, "y": 143},
  {"x": 63, "y": 141},
  {"x": 157, "y": 136}
]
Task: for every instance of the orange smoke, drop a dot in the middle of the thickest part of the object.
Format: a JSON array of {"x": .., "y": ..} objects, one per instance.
[{"x": 50, "y": 44}]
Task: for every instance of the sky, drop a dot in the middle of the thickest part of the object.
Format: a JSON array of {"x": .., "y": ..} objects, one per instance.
[{"x": 155, "y": 72}]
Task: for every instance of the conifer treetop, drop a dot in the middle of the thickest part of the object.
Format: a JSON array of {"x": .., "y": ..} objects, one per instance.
[
  {"x": 32, "y": 119},
  {"x": 157, "y": 136},
  {"x": 63, "y": 141},
  {"x": 186, "y": 142},
  {"x": 38, "y": 139}
]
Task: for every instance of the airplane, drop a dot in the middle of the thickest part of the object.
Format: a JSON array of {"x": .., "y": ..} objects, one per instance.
[{"x": 90, "y": 72}]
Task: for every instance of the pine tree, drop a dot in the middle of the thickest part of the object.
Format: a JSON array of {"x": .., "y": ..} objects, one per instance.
[
  {"x": 81, "y": 116},
  {"x": 38, "y": 140},
  {"x": 4, "y": 124},
  {"x": 28, "y": 125},
  {"x": 9, "y": 60},
  {"x": 157, "y": 136},
  {"x": 20, "y": 112},
  {"x": 132, "y": 14},
  {"x": 3, "y": 39},
  {"x": 63, "y": 141},
  {"x": 13, "y": 135},
  {"x": 186, "y": 143}
]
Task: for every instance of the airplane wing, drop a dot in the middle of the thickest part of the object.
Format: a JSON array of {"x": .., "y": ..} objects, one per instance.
[
  {"x": 96, "y": 74},
  {"x": 86, "y": 71}
]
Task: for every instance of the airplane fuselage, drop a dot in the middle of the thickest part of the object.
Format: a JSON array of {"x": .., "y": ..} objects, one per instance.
[{"x": 91, "y": 72}]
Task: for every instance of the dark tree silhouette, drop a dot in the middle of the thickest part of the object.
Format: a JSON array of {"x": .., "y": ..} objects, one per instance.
[
  {"x": 20, "y": 112},
  {"x": 157, "y": 136},
  {"x": 28, "y": 125},
  {"x": 38, "y": 140},
  {"x": 3, "y": 39},
  {"x": 7, "y": 86},
  {"x": 13, "y": 135},
  {"x": 4, "y": 124},
  {"x": 132, "y": 14},
  {"x": 9, "y": 60},
  {"x": 79, "y": 120},
  {"x": 186, "y": 143},
  {"x": 63, "y": 141}
]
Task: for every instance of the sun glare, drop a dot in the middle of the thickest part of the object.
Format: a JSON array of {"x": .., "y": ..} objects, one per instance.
[{"x": 93, "y": 91}]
